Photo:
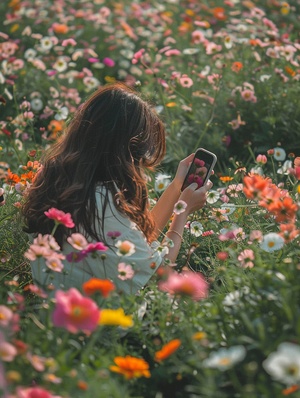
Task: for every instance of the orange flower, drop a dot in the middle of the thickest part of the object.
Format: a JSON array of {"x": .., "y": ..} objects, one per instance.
[
  {"x": 219, "y": 13},
  {"x": 167, "y": 350},
  {"x": 290, "y": 71},
  {"x": 12, "y": 178},
  {"x": 236, "y": 66},
  {"x": 226, "y": 178},
  {"x": 103, "y": 286},
  {"x": 254, "y": 185},
  {"x": 288, "y": 232},
  {"x": 284, "y": 209},
  {"x": 55, "y": 126},
  {"x": 60, "y": 28},
  {"x": 290, "y": 390},
  {"x": 130, "y": 367}
]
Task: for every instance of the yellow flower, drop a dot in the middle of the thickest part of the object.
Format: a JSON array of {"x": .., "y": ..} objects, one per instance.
[
  {"x": 199, "y": 336},
  {"x": 115, "y": 317},
  {"x": 171, "y": 104},
  {"x": 110, "y": 79}
]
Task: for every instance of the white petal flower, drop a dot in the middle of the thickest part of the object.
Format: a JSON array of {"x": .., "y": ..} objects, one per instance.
[
  {"x": 284, "y": 364},
  {"x": 279, "y": 154},
  {"x": 225, "y": 358},
  {"x": 196, "y": 228},
  {"x": 285, "y": 167},
  {"x": 272, "y": 242},
  {"x": 161, "y": 182},
  {"x": 212, "y": 196}
]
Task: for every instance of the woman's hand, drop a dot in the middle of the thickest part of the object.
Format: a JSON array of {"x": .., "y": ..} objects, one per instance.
[
  {"x": 195, "y": 197},
  {"x": 182, "y": 170}
]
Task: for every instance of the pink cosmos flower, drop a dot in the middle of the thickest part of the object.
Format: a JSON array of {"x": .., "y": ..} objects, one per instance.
[
  {"x": 246, "y": 257},
  {"x": 36, "y": 251},
  {"x": 7, "y": 351},
  {"x": 34, "y": 392},
  {"x": 54, "y": 263},
  {"x": 125, "y": 271},
  {"x": 77, "y": 241},
  {"x": 255, "y": 236},
  {"x": 138, "y": 55},
  {"x": 172, "y": 51},
  {"x": 69, "y": 42},
  {"x": 186, "y": 283},
  {"x": 47, "y": 241},
  {"x": 75, "y": 312},
  {"x": 186, "y": 81},
  {"x": 60, "y": 217},
  {"x": 248, "y": 95},
  {"x": 6, "y": 316}
]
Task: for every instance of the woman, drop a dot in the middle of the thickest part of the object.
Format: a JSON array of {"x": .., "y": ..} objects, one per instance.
[{"x": 96, "y": 172}]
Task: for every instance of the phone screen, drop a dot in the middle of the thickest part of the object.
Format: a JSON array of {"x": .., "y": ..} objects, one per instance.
[{"x": 200, "y": 168}]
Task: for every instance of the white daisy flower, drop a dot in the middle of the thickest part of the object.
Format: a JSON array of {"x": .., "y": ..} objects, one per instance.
[
  {"x": 225, "y": 358},
  {"x": 284, "y": 364},
  {"x": 161, "y": 182},
  {"x": 279, "y": 154},
  {"x": 179, "y": 207},
  {"x": 272, "y": 242},
  {"x": 60, "y": 64}
]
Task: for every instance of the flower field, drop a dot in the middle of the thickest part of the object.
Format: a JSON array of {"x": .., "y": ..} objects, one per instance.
[{"x": 225, "y": 320}]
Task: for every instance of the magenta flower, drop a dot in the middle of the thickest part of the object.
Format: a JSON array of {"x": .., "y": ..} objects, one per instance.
[
  {"x": 186, "y": 283},
  {"x": 60, "y": 217},
  {"x": 108, "y": 62},
  {"x": 93, "y": 247},
  {"x": 75, "y": 312}
]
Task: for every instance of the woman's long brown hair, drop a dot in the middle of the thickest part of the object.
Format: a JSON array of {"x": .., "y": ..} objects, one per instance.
[{"x": 112, "y": 139}]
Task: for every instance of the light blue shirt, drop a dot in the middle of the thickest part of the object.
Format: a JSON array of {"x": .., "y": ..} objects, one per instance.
[{"x": 145, "y": 260}]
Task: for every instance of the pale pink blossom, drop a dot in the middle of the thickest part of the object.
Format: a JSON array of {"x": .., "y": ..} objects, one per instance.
[
  {"x": 255, "y": 236},
  {"x": 36, "y": 361},
  {"x": 7, "y": 351},
  {"x": 212, "y": 48},
  {"x": 54, "y": 263},
  {"x": 246, "y": 257},
  {"x": 47, "y": 241},
  {"x": 36, "y": 251},
  {"x": 6, "y": 316},
  {"x": 171, "y": 52},
  {"x": 248, "y": 95},
  {"x": 69, "y": 42},
  {"x": 77, "y": 241},
  {"x": 186, "y": 81},
  {"x": 186, "y": 283},
  {"x": 198, "y": 37},
  {"x": 125, "y": 271}
]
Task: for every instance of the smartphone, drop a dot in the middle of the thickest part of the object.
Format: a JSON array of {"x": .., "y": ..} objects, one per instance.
[{"x": 200, "y": 169}]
